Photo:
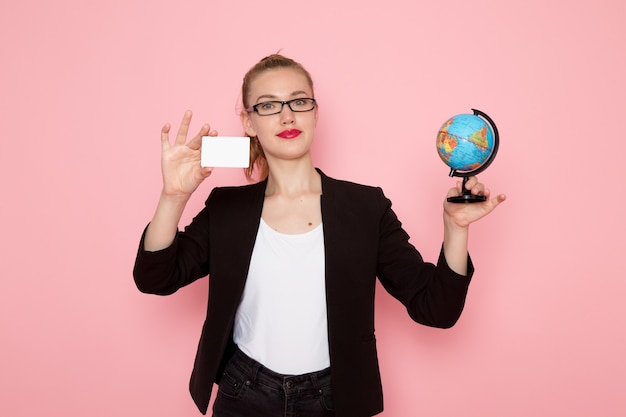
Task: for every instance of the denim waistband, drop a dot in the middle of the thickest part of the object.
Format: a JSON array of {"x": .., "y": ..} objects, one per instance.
[{"x": 256, "y": 372}]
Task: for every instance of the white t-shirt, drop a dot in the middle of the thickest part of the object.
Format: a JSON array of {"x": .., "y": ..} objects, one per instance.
[{"x": 281, "y": 320}]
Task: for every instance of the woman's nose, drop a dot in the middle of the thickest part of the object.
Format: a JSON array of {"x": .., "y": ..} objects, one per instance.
[{"x": 287, "y": 116}]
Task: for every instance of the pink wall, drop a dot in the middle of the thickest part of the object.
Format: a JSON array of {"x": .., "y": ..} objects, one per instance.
[{"x": 86, "y": 86}]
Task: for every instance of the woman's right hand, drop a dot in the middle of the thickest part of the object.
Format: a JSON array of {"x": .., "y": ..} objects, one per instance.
[{"x": 180, "y": 162}]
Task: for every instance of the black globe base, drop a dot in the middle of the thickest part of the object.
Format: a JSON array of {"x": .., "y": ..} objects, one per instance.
[{"x": 467, "y": 198}]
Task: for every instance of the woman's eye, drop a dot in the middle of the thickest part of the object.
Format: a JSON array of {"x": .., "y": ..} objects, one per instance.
[{"x": 268, "y": 105}]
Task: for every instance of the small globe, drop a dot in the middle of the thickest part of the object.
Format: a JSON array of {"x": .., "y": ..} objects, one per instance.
[{"x": 466, "y": 143}]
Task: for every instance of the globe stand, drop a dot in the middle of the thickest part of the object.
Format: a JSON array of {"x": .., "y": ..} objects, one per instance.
[{"x": 466, "y": 195}]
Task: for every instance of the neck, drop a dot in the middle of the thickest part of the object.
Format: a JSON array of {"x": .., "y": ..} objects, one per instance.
[{"x": 291, "y": 178}]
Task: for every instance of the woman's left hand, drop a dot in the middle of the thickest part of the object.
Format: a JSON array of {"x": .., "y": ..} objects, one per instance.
[{"x": 464, "y": 214}]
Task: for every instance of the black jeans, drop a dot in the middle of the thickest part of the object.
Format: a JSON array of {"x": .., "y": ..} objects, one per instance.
[{"x": 248, "y": 389}]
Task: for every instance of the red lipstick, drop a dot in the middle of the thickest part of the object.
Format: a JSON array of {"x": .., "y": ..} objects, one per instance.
[{"x": 289, "y": 134}]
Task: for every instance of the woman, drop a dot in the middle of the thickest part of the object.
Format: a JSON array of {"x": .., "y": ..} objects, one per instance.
[{"x": 293, "y": 261}]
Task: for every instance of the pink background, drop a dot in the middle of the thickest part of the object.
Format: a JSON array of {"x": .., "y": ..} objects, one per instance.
[{"x": 86, "y": 87}]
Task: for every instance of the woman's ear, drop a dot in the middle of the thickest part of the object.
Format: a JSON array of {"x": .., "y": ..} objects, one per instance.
[{"x": 246, "y": 123}]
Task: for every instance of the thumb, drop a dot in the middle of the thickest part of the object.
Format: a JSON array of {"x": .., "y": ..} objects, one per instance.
[{"x": 495, "y": 202}]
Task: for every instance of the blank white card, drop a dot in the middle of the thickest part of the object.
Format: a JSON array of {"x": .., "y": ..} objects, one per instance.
[{"x": 225, "y": 151}]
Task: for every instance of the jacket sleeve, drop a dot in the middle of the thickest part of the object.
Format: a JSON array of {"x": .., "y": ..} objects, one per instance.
[
  {"x": 433, "y": 294},
  {"x": 165, "y": 271}
]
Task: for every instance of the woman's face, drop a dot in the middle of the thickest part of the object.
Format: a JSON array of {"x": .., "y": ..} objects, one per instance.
[{"x": 286, "y": 135}]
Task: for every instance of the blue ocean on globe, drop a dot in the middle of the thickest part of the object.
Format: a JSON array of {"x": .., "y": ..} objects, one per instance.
[{"x": 465, "y": 142}]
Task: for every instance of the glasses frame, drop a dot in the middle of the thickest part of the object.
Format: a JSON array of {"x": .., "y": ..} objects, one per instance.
[{"x": 282, "y": 106}]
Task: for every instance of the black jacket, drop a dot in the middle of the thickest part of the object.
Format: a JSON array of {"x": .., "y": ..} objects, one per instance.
[{"x": 363, "y": 240}]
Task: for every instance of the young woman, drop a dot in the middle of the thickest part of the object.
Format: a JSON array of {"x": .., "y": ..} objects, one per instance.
[{"x": 293, "y": 261}]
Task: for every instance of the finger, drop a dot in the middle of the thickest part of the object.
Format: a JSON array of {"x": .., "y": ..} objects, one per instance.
[
  {"x": 165, "y": 138},
  {"x": 206, "y": 171},
  {"x": 196, "y": 142},
  {"x": 478, "y": 189},
  {"x": 475, "y": 187},
  {"x": 471, "y": 182},
  {"x": 181, "y": 137}
]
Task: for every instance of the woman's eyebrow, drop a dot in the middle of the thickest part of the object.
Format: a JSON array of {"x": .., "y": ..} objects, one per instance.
[{"x": 273, "y": 97}]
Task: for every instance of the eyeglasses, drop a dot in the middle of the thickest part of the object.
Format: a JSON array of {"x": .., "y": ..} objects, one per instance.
[{"x": 267, "y": 108}]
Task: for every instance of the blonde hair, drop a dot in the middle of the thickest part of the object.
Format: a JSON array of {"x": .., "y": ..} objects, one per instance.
[{"x": 258, "y": 162}]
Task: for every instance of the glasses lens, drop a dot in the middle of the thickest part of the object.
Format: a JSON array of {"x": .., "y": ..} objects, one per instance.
[
  {"x": 302, "y": 104},
  {"x": 269, "y": 107}
]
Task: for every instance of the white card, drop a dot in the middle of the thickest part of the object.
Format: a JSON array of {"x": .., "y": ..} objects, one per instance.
[{"x": 225, "y": 151}]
